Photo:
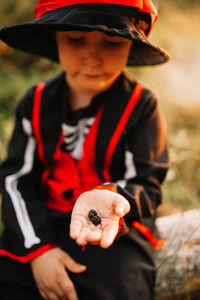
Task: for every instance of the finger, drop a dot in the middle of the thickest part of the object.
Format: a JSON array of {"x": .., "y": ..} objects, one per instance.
[
  {"x": 75, "y": 229},
  {"x": 43, "y": 295},
  {"x": 53, "y": 291},
  {"x": 122, "y": 206},
  {"x": 58, "y": 291},
  {"x": 72, "y": 265},
  {"x": 109, "y": 234},
  {"x": 82, "y": 238},
  {"x": 50, "y": 295},
  {"x": 94, "y": 237},
  {"x": 68, "y": 288}
]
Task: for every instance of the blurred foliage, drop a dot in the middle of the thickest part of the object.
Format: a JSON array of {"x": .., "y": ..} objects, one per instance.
[
  {"x": 186, "y": 4},
  {"x": 181, "y": 189},
  {"x": 16, "y": 11},
  {"x": 175, "y": 82}
]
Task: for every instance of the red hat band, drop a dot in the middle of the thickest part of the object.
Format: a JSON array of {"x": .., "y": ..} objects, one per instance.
[{"x": 44, "y": 6}]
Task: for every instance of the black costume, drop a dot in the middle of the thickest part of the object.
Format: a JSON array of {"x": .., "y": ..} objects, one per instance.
[{"x": 138, "y": 166}]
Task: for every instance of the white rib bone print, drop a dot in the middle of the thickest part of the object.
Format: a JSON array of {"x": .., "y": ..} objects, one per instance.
[{"x": 75, "y": 136}]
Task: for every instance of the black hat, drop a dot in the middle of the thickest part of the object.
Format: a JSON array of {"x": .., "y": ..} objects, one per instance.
[{"x": 131, "y": 19}]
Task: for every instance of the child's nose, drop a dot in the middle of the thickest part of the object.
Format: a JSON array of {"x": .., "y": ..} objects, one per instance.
[{"x": 92, "y": 58}]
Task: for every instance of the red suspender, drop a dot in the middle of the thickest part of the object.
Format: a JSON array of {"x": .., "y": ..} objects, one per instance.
[
  {"x": 119, "y": 129},
  {"x": 113, "y": 142},
  {"x": 36, "y": 126},
  {"x": 36, "y": 119}
]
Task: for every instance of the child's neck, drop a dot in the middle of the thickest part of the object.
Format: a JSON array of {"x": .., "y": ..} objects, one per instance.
[{"x": 78, "y": 99}]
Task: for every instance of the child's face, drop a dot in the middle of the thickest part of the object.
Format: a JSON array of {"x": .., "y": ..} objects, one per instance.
[{"x": 92, "y": 60}]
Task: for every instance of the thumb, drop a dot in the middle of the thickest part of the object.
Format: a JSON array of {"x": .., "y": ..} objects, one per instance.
[
  {"x": 122, "y": 206},
  {"x": 72, "y": 265}
]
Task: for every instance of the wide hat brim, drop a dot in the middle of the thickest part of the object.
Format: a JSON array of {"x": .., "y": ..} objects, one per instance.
[{"x": 37, "y": 37}]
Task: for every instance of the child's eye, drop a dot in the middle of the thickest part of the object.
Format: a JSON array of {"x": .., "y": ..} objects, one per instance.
[
  {"x": 112, "y": 43},
  {"x": 75, "y": 40}
]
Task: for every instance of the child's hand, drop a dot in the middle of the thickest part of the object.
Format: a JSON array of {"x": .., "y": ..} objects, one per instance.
[
  {"x": 49, "y": 271},
  {"x": 110, "y": 207}
]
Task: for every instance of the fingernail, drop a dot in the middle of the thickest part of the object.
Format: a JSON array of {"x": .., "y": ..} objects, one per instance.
[{"x": 82, "y": 267}]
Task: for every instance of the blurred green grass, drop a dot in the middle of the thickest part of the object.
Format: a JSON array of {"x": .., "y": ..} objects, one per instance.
[{"x": 176, "y": 83}]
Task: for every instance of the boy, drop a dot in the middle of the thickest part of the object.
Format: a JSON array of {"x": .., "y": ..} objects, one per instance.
[{"x": 88, "y": 144}]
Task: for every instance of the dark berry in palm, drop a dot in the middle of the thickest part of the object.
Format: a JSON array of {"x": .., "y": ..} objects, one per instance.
[{"x": 93, "y": 216}]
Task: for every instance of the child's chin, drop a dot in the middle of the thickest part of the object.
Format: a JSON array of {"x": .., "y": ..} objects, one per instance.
[{"x": 93, "y": 87}]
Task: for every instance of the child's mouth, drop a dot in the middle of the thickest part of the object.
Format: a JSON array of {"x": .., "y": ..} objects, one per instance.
[{"x": 92, "y": 75}]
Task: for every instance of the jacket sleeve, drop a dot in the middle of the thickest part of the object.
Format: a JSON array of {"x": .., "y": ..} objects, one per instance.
[
  {"x": 27, "y": 224},
  {"x": 146, "y": 159}
]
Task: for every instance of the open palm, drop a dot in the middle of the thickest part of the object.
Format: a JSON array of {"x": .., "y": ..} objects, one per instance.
[{"x": 110, "y": 207}]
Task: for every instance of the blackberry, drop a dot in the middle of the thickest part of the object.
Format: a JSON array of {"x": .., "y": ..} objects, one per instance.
[{"x": 93, "y": 216}]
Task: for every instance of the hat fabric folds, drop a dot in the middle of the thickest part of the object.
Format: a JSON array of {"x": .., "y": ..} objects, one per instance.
[{"x": 131, "y": 19}]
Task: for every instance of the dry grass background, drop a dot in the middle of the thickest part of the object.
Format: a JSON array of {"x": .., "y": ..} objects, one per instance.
[{"x": 177, "y": 84}]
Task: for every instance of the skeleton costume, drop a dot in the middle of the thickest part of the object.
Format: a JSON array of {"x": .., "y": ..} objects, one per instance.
[{"x": 55, "y": 154}]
